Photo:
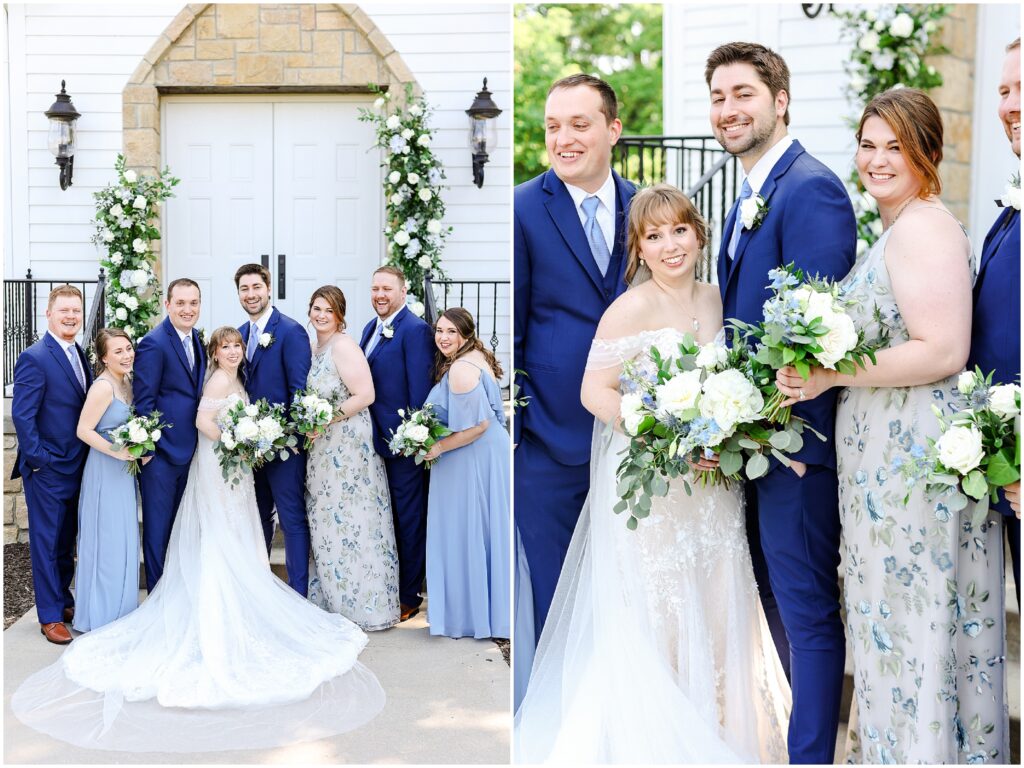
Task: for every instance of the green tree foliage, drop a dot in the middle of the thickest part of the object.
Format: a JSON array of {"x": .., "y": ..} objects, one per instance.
[{"x": 620, "y": 43}]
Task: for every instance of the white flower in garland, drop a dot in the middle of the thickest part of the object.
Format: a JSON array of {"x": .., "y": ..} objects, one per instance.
[
  {"x": 869, "y": 42},
  {"x": 378, "y": 103},
  {"x": 397, "y": 199},
  {"x": 425, "y": 262},
  {"x": 139, "y": 245},
  {"x": 425, "y": 195},
  {"x": 394, "y": 177},
  {"x": 414, "y": 178},
  {"x": 131, "y": 177},
  {"x": 393, "y": 122},
  {"x": 407, "y": 134},
  {"x": 433, "y": 226},
  {"x": 140, "y": 203},
  {"x": 108, "y": 236},
  {"x": 117, "y": 211},
  {"x": 121, "y": 313},
  {"x": 116, "y": 258},
  {"x": 415, "y": 110},
  {"x": 902, "y": 26},
  {"x": 402, "y": 237},
  {"x": 424, "y": 140}
]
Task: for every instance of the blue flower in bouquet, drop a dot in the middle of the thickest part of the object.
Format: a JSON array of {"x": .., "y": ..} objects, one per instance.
[{"x": 781, "y": 278}]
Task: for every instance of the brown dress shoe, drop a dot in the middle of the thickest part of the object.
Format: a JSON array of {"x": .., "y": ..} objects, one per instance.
[
  {"x": 407, "y": 612},
  {"x": 56, "y": 633},
  {"x": 69, "y": 615}
]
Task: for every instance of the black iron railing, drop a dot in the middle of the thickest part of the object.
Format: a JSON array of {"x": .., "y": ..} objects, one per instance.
[
  {"x": 25, "y": 313},
  {"x": 696, "y": 164},
  {"x": 487, "y": 300}
]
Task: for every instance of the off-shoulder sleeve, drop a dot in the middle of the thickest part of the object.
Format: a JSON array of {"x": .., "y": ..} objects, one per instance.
[
  {"x": 469, "y": 409},
  {"x": 610, "y": 353}
]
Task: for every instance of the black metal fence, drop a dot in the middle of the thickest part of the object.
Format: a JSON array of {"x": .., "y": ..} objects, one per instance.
[
  {"x": 25, "y": 303},
  {"x": 696, "y": 164}
]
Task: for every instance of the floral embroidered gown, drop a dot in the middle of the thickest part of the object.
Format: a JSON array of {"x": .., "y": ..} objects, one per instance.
[
  {"x": 923, "y": 582},
  {"x": 352, "y": 533}
]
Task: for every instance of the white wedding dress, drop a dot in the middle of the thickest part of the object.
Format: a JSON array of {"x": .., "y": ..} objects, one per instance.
[
  {"x": 222, "y": 655},
  {"x": 656, "y": 649}
]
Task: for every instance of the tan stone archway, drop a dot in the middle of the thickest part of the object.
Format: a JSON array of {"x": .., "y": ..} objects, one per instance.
[{"x": 280, "y": 48}]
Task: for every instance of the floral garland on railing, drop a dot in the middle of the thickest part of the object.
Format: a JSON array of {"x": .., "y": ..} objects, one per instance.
[
  {"x": 412, "y": 189},
  {"x": 124, "y": 227},
  {"x": 890, "y": 43}
]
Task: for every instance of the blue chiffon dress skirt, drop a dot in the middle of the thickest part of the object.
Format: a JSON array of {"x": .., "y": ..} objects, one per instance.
[
  {"x": 107, "y": 572},
  {"x": 468, "y": 521}
]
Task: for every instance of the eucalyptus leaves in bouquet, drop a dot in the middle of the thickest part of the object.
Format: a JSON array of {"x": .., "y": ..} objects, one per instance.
[
  {"x": 889, "y": 47},
  {"x": 126, "y": 214},
  {"x": 251, "y": 434},
  {"x": 413, "y": 182}
]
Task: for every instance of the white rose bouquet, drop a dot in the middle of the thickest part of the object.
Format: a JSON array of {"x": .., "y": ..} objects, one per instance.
[
  {"x": 805, "y": 323},
  {"x": 250, "y": 436},
  {"x": 311, "y": 413},
  {"x": 681, "y": 403},
  {"x": 417, "y": 433},
  {"x": 978, "y": 451},
  {"x": 139, "y": 435}
]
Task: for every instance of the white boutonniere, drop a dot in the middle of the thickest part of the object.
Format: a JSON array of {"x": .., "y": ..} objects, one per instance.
[
  {"x": 1011, "y": 196},
  {"x": 387, "y": 332},
  {"x": 752, "y": 212},
  {"x": 266, "y": 339},
  {"x": 201, "y": 332}
]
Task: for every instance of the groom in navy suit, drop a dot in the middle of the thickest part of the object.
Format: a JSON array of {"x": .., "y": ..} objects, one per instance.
[
  {"x": 570, "y": 229},
  {"x": 995, "y": 330},
  {"x": 50, "y": 381},
  {"x": 278, "y": 356},
  {"x": 170, "y": 364},
  {"x": 792, "y": 512},
  {"x": 399, "y": 348}
]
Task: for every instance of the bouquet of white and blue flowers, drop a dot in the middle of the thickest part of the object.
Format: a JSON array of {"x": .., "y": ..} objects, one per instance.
[
  {"x": 417, "y": 433},
  {"x": 250, "y": 436},
  {"x": 139, "y": 435},
  {"x": 978, "y": 451},
  {"x": 311, "y": 413},
  {"x": 685, "y": 401},
  {"x": 806, "y": 322}
]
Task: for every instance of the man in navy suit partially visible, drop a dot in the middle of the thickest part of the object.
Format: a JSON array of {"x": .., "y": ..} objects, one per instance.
[
  {"x": 50, "y": 381},
  {"x": 170, "y": 364},
  {"x": 995, "y": 329},
  {"x": 792, "y": 512},
  {"x": 399, "y": 348},
  {"x": 570, "y": 230}
]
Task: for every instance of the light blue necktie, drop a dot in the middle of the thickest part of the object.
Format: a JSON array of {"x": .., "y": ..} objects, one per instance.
[
  {"x": 375, "y": 338},
  {"x": 734, "y": 241},
  {"x": 254, "y": 337},
  {"x": 76, "y": 366},
  {"x": 189, "y": 355},
  {"x": 598, "y": 246}
]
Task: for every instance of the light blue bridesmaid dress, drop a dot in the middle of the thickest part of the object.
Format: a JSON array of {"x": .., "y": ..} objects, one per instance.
[
  {"x": 107, "y": 572},
  {"x": 468, "y": 525}
]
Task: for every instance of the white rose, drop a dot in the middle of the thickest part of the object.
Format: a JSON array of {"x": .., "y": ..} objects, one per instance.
[
  {"x": 252, "y": 410},
  {"x": 868, "y": 42},
  {"x": 818, "y": 305},
  {"x": 748, "y": 211},
  {"x": 929, "y": 27},
  {"x": 879, "y": 26},
  {"x": 406, "y": 150},
  {"x": 132, "y": 303},
  {"x": 417, "y": 433},
  {"x": 902, "y": 26},
  {"x": 140, "y": 203},
  {"x": 966, "y": 382},
  {"x": 417, "y": 308},
  {"x": 424, "y": 140},
  {"x": 407, "y": 133},
  {"x": 139, "y": 278},
  {"x": 415, "y": 110},
  {"x": 711, "y": 356},
  {"x": 108, "y": 236},
  {"x": 246, "y": 430},
  {"x": 131, "y": 177},
  {"x": 397, "y": 199},
  {"x": 129, "y": 330},
  {"x": 840, "y": 339},
  {"x": 116, "y": 258},
  {"x": 393, "y": 122},
  {"x": 309, "y": 400},
  {"x": 802, "y": 296},
  {"x": 425, "y": 195},
  {"x": 378, "y": 103},
  {"x": 266, "y": 340},
  {"x": 858, "y": 83},
  {"x": 870, "y": 15},
  {"x": 139, "y": 246},
  {"x": 394, "y": 177},
  {"x": 631, "y": 408},
  {"x": 414, "y": 178},
  {"x": 1011, "y": 197},
  {"x": 730, "y": 398},
  {"x": 324, "y": 411},
  {"x": 1002, "y": 400},
  {"x": 137, "y": 434},
  {"x": 269, "y": 428},
  {"x": 884, "y": 60},
  {"x": 117, "y": 211},
  {"x": 121, "y": 313},
  {"x": 960, "y": 448},
  {"x": 228, "y": 440},
  {"x": 122, "y": 298},
  {"x": 425, "y": 262},
  {"x": 679, "y": 394},
  {"x": 433, "y": 226},
  {"x": 155, "y": 435},
  {"x": 402, "y": 237}
]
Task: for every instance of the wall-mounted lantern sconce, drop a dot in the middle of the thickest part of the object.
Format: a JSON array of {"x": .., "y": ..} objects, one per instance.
[
  {"x": 61, "y": 139},
  {"x": 483, "y": 131}
]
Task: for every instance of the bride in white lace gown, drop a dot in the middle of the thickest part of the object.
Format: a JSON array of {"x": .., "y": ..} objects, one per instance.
[
  {"x": 222, "y": 655},
  {"x": 656, "y": 649}
]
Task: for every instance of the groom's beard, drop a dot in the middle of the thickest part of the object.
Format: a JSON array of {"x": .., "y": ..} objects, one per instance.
[
  {"x": 760, "y": 135},
  {"x": 261, "y": 308}
]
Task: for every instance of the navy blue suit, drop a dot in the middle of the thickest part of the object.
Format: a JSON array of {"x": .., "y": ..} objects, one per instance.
[
  {"x": 276, "y": 372},
  {"x": 45, "y": 408},
  {"x": 560, "y": 296},
  {"x": 995, "y": 331},
  {"x": 402, "y": 370},
  {"x": 792, "y": 522},
  {"x": 164, "y": 382}
]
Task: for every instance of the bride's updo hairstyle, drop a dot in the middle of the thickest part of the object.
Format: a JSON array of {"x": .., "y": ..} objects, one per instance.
[
  {"x": 654, "y": 206},
  {"x": 917, "y": 123},
  {"x": 103, "y": 338},
  {"x": 218, "y": 337},
  {"x": 463, "y": 322}
]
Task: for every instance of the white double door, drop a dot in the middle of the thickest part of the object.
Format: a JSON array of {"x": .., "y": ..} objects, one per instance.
[{"x": 293, "y": 183}]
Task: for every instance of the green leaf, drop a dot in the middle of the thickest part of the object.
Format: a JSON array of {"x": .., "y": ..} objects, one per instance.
[
  {"x": 632, "y": 523},
  {"x": 757, "y": 465},
  {"x": 803, "y": 369},
  {"x": 781, "y": 440},
  {"x": 783, "y": 458},
  {"x": 1001, "y": 470},
  {"x": 659, "y": 487},
  {"x": 788, "y": 356},
  {"x": 745, "y": 442},
  {"x": 974, "y": 485},
  {"x": 730, "y": 462}
]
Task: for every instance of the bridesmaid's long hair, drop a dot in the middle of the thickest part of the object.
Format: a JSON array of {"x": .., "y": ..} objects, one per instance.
[
  {"x": 103, "y": 338},
  {"x": 463, "y": 322},
  {"x": 218, "y": 337},
  {"x": 654, "y": 206}
]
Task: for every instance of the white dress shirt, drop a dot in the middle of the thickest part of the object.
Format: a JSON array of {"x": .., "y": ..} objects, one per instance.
[
  {"x": 605, "y": 211},
  {"x": 763, "y": 167}
]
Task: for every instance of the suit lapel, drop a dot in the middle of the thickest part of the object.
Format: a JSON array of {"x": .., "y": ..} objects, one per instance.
[
  {"x": 200, "y": 370},
  {"x": 270, "y": 328},
  {"x": 563, "y": 213},
  {"x": 65, "y": 365},
  {"x": 179, "y": 348},
  {"x": 395, "y": 322},
  {"x": 367, "y": 331},
  {"x": 994, "y": 238}
]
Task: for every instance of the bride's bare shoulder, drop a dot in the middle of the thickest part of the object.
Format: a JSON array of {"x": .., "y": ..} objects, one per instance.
[
  {"x": 627, "y": 315},
  {"x": 219, "y": 386}
]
